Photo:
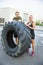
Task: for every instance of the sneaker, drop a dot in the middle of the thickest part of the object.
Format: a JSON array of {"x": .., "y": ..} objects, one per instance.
[{"x": 32, "y": 54}]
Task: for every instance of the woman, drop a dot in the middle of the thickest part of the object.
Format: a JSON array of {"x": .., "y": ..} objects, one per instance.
[{"x": 31, "y": 25}]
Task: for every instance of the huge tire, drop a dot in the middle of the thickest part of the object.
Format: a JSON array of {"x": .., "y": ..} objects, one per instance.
[{"x": 15, "y": 29}]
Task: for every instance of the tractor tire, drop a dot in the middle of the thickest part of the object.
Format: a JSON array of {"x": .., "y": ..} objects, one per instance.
[{"x": 17, "y": 30}]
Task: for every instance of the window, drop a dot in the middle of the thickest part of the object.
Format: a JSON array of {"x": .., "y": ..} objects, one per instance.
[
  {"x": 25, "y": 17},
  {"x": 2, "y": 20}
]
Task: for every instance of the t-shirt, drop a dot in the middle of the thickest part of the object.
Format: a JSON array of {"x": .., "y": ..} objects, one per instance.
[{"x": 17, "y": 19}]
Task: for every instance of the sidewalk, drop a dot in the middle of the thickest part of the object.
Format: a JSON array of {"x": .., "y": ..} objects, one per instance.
[{"x": 40, "y": 28}]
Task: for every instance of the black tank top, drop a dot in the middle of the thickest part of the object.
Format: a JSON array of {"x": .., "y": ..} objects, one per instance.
[
  {"x": 31, "y": 30},
  {"x": 30, "y": 24}
]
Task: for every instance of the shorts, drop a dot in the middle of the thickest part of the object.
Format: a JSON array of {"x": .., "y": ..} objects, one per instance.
[{"x": 32, "y": 35}]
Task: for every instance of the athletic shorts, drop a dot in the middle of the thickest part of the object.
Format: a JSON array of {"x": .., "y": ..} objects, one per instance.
[{"x": 32, "y": 35}]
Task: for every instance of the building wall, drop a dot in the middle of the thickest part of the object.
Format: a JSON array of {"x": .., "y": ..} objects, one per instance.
[
  {"x": 4, "y": 13},
  {"x": 9, "y": 13}
]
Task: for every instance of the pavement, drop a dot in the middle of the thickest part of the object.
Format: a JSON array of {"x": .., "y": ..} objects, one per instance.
[
  {"x": 39, "y": 28},
  {"x": 25, "y": 59}
]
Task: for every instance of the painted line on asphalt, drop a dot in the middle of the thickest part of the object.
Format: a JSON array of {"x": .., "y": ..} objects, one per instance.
[
  {"x": 41, "y": 35},
  {"x": 42, "y": 42}
]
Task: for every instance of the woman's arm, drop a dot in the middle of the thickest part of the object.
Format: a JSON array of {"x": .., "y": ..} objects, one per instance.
[
  {"x": 27, "y": 23},
  {"x": 33, "y": 26}
]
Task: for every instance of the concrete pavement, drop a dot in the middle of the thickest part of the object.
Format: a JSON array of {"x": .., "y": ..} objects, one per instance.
[{"x": 39, "y": 28}]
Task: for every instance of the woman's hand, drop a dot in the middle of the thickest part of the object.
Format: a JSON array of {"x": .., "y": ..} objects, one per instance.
[
  {"x": 29, "y": 26},
  {"x": 26, "y": 24},
  {"x": 33, "y": 26}
]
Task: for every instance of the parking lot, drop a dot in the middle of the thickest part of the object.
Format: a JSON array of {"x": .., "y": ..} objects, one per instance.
[{"x": 25, "y": 59}]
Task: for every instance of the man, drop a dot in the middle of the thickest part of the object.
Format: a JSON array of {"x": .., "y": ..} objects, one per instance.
[
  {"x": 19, "y": 19},
  {"x": 31, "y": 25}
]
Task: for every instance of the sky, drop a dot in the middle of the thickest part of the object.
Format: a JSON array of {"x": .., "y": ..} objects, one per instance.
[{"x": 34, "y": 7}]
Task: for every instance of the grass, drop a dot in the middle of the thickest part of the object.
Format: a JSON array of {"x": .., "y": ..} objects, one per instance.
[{"x": 38, "y": 23}]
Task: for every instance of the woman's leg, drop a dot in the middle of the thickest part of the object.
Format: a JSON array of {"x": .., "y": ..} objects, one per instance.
[{"x": 33, "y": 45}]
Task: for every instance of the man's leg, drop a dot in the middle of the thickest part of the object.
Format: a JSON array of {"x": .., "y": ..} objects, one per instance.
[{"x": 17, "y": 41}]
